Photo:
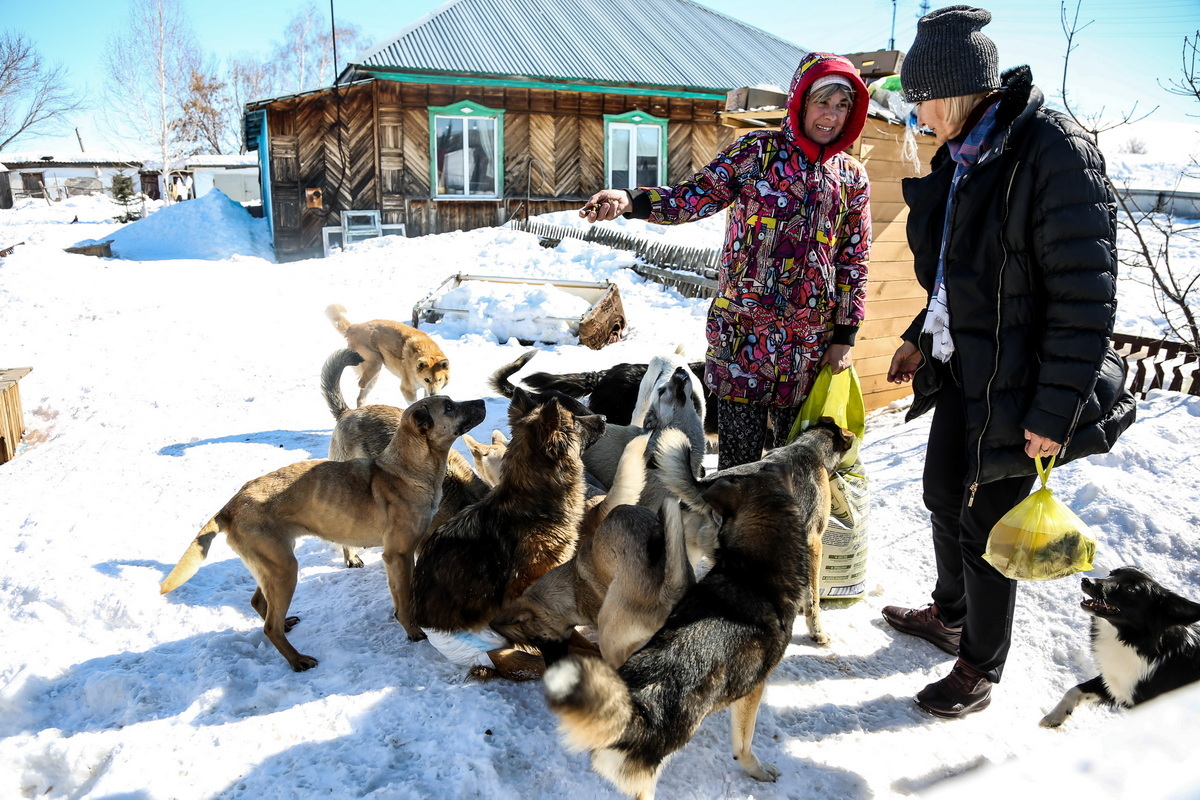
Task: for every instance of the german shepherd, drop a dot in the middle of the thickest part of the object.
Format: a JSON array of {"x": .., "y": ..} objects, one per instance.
[
  {"x": 408, "y": 353},
  {"x": 386, "y": 501},
  {"x": 727, "y": 633},
  {"x": 483, "y": 558},
  {"x": 623, "y": 580},
  {"x": 1145, "y": 641},
  {"x": 366, "y": 431}
]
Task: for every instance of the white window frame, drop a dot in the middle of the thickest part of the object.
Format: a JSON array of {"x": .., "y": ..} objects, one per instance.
[
  {"x": 467, "y": 111},
  {"x": 633, "y": 121}
]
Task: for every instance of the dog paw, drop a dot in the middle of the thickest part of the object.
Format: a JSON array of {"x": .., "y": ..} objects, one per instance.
[
  {"x": 758, "y": 770},
  {"x": 303, "y": 663},
  {"x": 1053, "y": 720},
  {"x": 482, "y": 674},
  {"x": 288, "y": 624}
]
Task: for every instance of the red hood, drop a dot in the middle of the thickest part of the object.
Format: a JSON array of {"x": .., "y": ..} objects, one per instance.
[{"x": 812, "y": 67}]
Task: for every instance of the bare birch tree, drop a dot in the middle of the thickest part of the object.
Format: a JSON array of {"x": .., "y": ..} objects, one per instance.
[
  {"x": 304, "y": 60},
  {"x": 149, "y": 68},
  {"x": 34, "y": 97}
]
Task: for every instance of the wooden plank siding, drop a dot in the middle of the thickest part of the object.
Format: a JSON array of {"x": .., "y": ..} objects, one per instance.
[
  {"x": 893, "y": 295},
  {"x": 367, "y": 146}
]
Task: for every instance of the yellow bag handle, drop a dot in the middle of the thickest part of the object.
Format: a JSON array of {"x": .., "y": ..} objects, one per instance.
[{"x": 1044, "y": 472}]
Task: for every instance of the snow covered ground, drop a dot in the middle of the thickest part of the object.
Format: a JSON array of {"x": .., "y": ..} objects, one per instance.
[{"x": 164, "y": 380}]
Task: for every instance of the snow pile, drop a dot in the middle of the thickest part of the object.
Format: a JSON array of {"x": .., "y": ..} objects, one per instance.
[{"x": 209, "y": 228}]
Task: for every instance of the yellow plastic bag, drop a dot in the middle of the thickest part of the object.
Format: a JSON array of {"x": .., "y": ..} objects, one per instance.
[
  {"x": 1040, "y": 538},
  {"x": 840, "y": 398}
]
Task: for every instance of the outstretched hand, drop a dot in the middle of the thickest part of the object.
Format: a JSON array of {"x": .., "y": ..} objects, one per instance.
[{"x": 606, "y": 204}]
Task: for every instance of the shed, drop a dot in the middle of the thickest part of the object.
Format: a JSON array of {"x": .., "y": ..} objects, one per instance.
[
  {"x": 894, "y": 296},
  {"x": 487, "y": 110},
  {"x": 6, "y": 198},
  {"x": 236, "y": 175},
  {"x": 58, "y": 175}
]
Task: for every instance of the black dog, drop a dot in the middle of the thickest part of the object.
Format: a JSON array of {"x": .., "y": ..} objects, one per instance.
[
  {"x": 613, "y": 392},
  {"x": 1145, "y": 640}
]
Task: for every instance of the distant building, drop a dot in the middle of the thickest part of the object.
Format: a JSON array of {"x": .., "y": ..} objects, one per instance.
[
  {"x": 58, "y": 175},
  {"x": 485, "y": 110}
]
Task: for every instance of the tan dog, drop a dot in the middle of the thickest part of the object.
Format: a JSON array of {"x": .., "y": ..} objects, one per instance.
[
  {"x": 727, "y": 633},
  {"x": 408, "y": 353},
  {"x": 624, "y": 580},
  {"x": 366, "y": 431},
  {"x": 488, "y": 456},
  {"x": 386, "y": 501}
]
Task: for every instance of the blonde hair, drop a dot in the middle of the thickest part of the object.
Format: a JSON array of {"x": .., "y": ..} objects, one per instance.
[
  {"x": 958, "y": 108},
  {"x": 829, "y": 90}
]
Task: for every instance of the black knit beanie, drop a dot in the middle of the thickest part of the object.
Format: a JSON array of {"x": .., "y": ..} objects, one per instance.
[{"x": 950, "y": 56}]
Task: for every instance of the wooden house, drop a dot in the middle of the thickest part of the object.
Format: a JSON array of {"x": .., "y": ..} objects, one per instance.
[{"x": 486, "y": 110}]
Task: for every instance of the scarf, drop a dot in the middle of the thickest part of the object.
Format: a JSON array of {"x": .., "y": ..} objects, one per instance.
[{"x": 966, "y": 153}]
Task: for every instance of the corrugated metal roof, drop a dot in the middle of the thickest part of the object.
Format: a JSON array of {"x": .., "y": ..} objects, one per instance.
[{"x": 651, "y": 42}]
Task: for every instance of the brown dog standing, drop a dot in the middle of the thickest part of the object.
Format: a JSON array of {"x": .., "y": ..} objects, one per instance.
[
  {"x": 386, "y": 501},
  {"x": 408, "y": 353}
]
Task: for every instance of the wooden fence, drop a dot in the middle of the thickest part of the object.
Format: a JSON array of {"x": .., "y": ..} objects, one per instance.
[
  {"x": 1159, "y": 364},
  {"x": 12, "y": 423}
]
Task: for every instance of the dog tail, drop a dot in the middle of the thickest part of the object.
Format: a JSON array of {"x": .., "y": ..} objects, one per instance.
[
  {"x": 331, "y": 378},
  {"x": 673, "y": 461},
  {"x": 628, "y": 482},
  {"x": 678, "y": 574},
  {"x": 500, "y": 378},
  {"x": 337, "y": 315},
  {"x": 575, "y": 384},
  {"x": 192, "y": 558},
  {"x": 593, "y": 704}
]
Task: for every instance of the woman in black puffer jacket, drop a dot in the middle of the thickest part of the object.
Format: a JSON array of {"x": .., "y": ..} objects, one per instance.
[{"x": 1013, "y": 235}]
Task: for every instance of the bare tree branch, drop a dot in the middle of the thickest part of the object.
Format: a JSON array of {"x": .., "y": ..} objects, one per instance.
[
  {"x": 34, "y": 97},
  {"x": 149, "y": 67},
  {"x": 1095, "y": 122}
]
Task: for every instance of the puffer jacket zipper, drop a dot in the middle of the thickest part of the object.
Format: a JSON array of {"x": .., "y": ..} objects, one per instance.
[{"x": 987, "y": 395}]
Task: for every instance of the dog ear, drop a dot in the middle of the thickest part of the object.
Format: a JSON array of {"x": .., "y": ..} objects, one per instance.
[
  {"x": 498, "y": 437},
  {"x": 651, "y": 421},
  {"x": 724, "y": 495},
  {"x": 444, "y": 364},
  {"x": 1181, "y": 611},
  {"x": 521, "y": 403},
  {"x": 421, "y": 417},
  {"x": 842, "y": 438}
]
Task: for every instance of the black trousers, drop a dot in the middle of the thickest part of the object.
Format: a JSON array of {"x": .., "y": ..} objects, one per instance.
[
  {"x": 969, "y": 591},
  {"x": 742, "y": 431}
]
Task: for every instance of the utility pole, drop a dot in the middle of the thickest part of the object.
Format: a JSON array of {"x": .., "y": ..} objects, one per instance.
[
  {"x": 923, "y": 8},
  {"x": 892, "y": 39}
]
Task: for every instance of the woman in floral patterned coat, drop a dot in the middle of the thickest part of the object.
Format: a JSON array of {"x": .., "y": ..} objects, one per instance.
[{"x": 792, "y": 284}]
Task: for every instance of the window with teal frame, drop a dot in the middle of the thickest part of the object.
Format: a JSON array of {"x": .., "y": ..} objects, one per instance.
[
  {"x": 635, "y": 150},
  {"x": 466, "y": 146}
]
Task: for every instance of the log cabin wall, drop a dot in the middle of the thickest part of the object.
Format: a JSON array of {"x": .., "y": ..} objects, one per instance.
[
  {"x": 366, "y": 146},
  {"x": 894, "y": 297}
]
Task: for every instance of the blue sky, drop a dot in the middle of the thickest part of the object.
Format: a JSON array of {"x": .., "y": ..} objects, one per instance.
[{"x": 1131, "y": 49}]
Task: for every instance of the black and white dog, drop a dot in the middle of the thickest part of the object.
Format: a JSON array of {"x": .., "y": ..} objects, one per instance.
[{"x": 1145, "y": 641}]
